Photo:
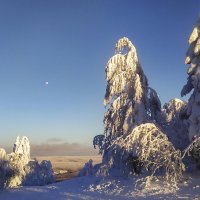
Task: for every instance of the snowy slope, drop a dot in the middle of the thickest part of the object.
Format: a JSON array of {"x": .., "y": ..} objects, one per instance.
[{"x": 90, "y": 187}]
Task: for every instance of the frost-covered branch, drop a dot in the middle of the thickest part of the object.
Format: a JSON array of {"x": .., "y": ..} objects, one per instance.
[
  {"x": 99, "y": 141},
  {"x": 146, "y": 145},
  {"x": 193, "y": 150}
]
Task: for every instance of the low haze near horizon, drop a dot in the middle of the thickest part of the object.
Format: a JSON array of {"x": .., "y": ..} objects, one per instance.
[{"x": 53, "y": 57}]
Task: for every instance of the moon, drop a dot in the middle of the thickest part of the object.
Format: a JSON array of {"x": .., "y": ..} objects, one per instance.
[{"x": 46, "y": 83}]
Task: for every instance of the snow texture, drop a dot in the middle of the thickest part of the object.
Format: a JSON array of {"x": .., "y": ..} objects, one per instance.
[{"x": 91, "y": 187}]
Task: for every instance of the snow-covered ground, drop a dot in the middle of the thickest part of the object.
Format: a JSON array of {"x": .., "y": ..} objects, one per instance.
[{"x": 90, "y": 187}]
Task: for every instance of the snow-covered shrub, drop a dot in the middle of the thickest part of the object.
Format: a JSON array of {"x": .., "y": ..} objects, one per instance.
[
  {"x": 174, "y": 123},
  {"x": 18, "y": 169},
  {"x": 146, "y": 148},
  {"x": 7, "y": 172},
  {"x": 18, "y": 163},
  {"x": 38, "y": 173},
  {"x": 193, "y": 151},
  {"x": 11, "y": 169},
  {"x": 87, "y": 169},
  {"x": 193, "y": 83}
]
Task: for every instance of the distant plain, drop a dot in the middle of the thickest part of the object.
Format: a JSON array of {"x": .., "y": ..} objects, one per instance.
[{"x": 67, "y": 167}]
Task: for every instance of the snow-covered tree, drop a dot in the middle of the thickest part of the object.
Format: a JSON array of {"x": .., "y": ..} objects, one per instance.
[
  {"x": 146, "y": 148},
  {"x": 3, "y": 155},
  {"x": 22, "y": 147},
  {"x": 17, "y": 168},
  {"x": 175, "y": 124},
  {"x": 193, "y": 82},
  {"x": 137, "y": 132},
  {"x": 87, "y": 169},
  {"x": 193, "y": 85},
  {"x": 129, "y": 100}
]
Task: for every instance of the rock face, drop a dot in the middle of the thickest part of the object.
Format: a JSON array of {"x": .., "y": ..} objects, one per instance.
[{"x": 17, "y": 168}]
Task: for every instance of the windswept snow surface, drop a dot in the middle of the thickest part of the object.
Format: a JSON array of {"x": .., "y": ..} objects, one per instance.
[{"x": 93, "y": 188}]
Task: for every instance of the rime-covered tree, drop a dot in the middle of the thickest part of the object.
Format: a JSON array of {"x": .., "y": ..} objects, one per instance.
[
  {"x": 148, "y": 149},
  {"x": 128, "y": 99},
  {"x": 17, "y": 168},
  {"x": 175, "y": 124},
  {"x": 133, "y": 140},
  {"x": 193, "y": 84}
]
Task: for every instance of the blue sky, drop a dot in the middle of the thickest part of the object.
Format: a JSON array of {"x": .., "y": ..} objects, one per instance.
[{"x": 68, "y": 43}]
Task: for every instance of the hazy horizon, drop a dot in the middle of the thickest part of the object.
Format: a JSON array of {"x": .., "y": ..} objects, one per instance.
[{"x": 57, "y": 147}]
